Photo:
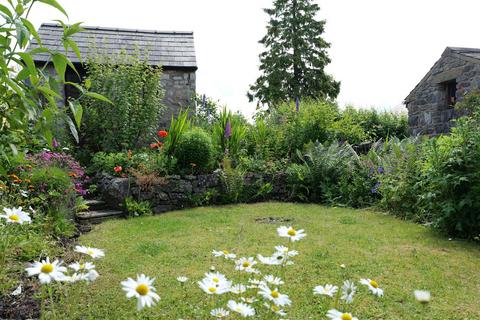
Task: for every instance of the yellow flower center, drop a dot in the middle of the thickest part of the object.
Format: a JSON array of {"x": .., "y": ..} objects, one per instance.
[
  {"x": 275, "y": 294},
  {"x": 212, "y": 289},
  {"x": 216, "y": 280},
  {"x": 46, "y": 268},
  {"x": 90, "y": 252},
  {"x": 346, "y": 316},
  {"x": 292, "y": 232},
  {"x": 246, "y": 264},
  {"x": 275, "y": 308},
  {"x": 14, "y": 217},
  {"x": 225, "y": 252},
  {"x": 374, "y": 284},
  {"x": 142, "y": 289}
]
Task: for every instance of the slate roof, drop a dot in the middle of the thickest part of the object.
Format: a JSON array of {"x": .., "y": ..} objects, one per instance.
[
  {"x": 165, "y": 48},
  {"x": 468, "y": 52}
]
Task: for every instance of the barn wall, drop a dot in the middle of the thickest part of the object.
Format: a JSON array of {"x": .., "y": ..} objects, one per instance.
[
  {"x": 427, "y": 110},
  {"x": 179, "y": 89}
]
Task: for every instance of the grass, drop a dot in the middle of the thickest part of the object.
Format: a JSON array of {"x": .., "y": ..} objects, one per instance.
[{"x": 401, "y": 256}]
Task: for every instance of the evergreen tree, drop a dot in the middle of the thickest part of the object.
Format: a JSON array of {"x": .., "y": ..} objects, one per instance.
[{"x": 292, "y": 66}]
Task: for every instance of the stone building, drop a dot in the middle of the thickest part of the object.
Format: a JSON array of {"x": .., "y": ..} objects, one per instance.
[
  {"x": 431, "y": 103},
  {"x": 173, "y": 51}
]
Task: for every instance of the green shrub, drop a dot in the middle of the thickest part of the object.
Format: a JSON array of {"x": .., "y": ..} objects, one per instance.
[
  {"x": 232, "y": 185},
  {"x": 298, "y": 181},
  {"x": 53, "y": 185},
  {"x": 194, "y": 151},
  {"x": 134, "y": 88},
  {"x": 137, "y": 208},
  {"x": 106, "y": 162}
]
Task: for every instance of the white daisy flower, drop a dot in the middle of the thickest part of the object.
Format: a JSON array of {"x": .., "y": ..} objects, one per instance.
[
  {"x": 219, "y": 313},
  {"x": 254, "y": 283},
  {"x": 249, "y": 300},
  {"x": 77, "y": 266},
  {"x": 92, "y": 275},
  {"x": 24, "y": 193},
  {"x": 243, "y": 309},
  {"x": 218, "y": 278},
  {"x": 372, "y": 286},
  {"x": 224, "y": 253},
  {"x": 327, "y": 290},
  {"x": 182, "y": 279},
  {"x": 422, "y": 296},
  {"x": 285, "y": 250},
  {"x": 210, "y": 286},
  {"x": 276, "y": 281},
  {"x": 16, "y": 215},
  {"x": 47, "y": 271},
  {"x": 273, "y": 295},
  {"x": 76, "y": 277},
  {"x": 275, "y": 309},
  {"x": 291, "y": 233},
  {"x": 334, "y": 314},
  {"x": 238, "y": 289},
  {"x": 92, "y": 252},
  {"x": 271, "y": 261},
  {"x": 246, "y": 264},
  {"x": 348, "y": 291},
  {"x": 141, "y": 289}
]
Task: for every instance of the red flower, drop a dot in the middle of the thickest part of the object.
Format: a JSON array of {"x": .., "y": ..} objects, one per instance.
[
  {"x": 117, "y": 169},
  {"x": 162, "y": 133},
  {"x": 153, "y": 145}
]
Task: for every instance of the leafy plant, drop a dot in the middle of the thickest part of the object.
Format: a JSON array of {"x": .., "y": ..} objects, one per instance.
[
  {"x": 194, "y": 151},
  {"x": 178, "y": 127},
  {"x": 228, "y": 134},
  {"x": 137, "y": 208}
]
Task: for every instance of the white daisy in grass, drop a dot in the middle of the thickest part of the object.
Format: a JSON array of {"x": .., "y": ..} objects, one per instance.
[
  {"x": 276, "y": 281},
  {"x": 47, "y": 271},
  {"x": 238, "y": 289},
  {"x": 142, "y": 289},
  {"x": 92, "y": 275},
  {"x": 275, "y": 309},
  {"x": 77, "y": 266},
  {"x": 327, "y": 290},
  {"x": 254, "y": 283},
  {"x": 285, "y": 250},
  {"x": 16, "y": 215},
  {"x": 224, "y": 253},
  {"x": 372, "y": 286},
  {"x": 182, "y": 279},
  {"x": 422, "y": 296},
  {"x": 241, "y": 308},
  {"x": 246, "y": 264},
  {"x": 76, "y": 277},
  {"x": 282, "y": 258},
  {"x": 218, "y": 278},
  {"x": 249, "y": 300},
  {"x": 291, "y": 233},
  {"x": 211, "y": 287},
  {"x": 271, "y": 261},
  {"x": 348, "y": 291},
  {"x": 92, "y": 252},
  {"x": 274, "y": 295},
  {"x": 334, "y": 314},
  {"x": 219, "y": 313}
]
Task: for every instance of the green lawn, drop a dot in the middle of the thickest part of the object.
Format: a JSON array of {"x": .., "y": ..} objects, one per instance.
[{"x": 401, "y": 256}]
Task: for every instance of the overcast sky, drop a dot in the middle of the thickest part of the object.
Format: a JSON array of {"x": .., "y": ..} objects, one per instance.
[{"x": 380, "y": 49}]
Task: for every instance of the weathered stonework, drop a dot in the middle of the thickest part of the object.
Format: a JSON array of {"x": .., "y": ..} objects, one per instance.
[
  {"x": 179, "y": 89},
  {"x": 176, "y": 192},
  {"x": 429, "y": 110}
]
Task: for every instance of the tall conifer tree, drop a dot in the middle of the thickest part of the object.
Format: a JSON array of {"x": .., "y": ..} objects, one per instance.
[{"x": 292, "y": 65}]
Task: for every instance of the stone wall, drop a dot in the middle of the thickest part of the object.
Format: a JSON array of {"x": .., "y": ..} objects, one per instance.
[
  {"x": 179, "y": 89},
  {"x": 428, "y": 112},
  {"x": 176, "y": 192}
]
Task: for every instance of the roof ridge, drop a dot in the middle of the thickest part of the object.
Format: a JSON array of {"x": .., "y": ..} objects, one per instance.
[{"x": 47, "y": 24}]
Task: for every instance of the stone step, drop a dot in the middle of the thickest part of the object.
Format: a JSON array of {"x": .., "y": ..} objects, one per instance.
[
  {"x": 95, "y": 204},
  {"x": 98, "y": 216}
]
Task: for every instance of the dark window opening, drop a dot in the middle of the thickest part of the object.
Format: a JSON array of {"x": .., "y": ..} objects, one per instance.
[{"x": 450, "y": 93}]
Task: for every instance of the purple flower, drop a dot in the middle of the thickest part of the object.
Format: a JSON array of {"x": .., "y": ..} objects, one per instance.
[
  {"x": 228, "y": 130},
  {"x": 297, "y": 104},
  {"x": 375, "y": 187},
  {"x": 55, "y": 143},
  {"x": 380, "y": 170}
]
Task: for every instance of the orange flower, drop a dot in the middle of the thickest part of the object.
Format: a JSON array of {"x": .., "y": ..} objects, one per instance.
[
  {"x": 17, "y": 181},
  {"x": 13, "y": 176},
  {"x": 73, "y": 175},
  {"x": 31, "y": 187},
  {"x": 162, "y": 133},
  {"x": 27, "y": 180},
  {"x": 117, "y": 169},
  {"x": 2, "y": 186}
]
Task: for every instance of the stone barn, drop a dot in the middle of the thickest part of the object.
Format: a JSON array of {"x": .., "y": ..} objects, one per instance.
[
  {"x": 431, "y": 103},
  {"x": 173, "y": 51}
]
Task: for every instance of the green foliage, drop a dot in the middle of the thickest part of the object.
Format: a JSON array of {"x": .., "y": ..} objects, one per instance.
[
  {"x": 178, "y": 127},
  {"x": 206, "y": 111},
  {"x": 232, "y": 185},
  {"x": 31, "y": 108},
  {"x": 134, "y": 88},
  {"x": 292, "y": 66},
  {"x": 194, "y": 151},
  {"x": 137, "y": 208},
  {"x": 228, "y": 134},
  {"x": 298, "y": 181},
  {"x": 106, "y": 162}
]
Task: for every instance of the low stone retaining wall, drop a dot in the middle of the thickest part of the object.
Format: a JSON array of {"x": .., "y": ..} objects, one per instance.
[{"x": 177, "y": 192}]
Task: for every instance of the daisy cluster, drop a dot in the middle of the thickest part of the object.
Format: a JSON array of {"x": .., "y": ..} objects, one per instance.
[{"x": 55, "y": 271}]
